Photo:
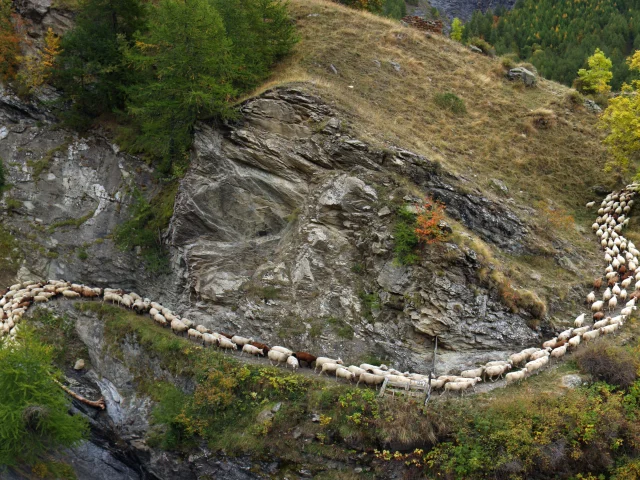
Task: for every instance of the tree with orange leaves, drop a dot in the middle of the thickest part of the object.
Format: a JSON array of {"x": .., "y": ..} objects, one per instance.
[
  {"x": 9, "y": 42},
  {"x": 430, "y": 215}
]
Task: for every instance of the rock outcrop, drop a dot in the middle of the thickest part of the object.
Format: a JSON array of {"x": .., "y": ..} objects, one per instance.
[
  {"x": 283, "y": 229},
  {"x": 463, "y": 9}
]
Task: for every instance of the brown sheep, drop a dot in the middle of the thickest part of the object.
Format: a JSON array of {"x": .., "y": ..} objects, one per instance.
[
  {"x": 598, "y": 316},
  {"x": 597, "y": 283},
  {"x": 305, "y": 357},
  {"x": 612, "y": 281},
  {"x": 25, "y": 304},
  {"x": 228, "y": 336},
  {"x": 262, "y": 346},
  {"x": 622, "y": 270}
]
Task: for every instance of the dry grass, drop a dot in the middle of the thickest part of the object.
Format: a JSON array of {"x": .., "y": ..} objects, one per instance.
[
  {"x": 526, "y": 137},
  {"x": 386, "y": 106}
]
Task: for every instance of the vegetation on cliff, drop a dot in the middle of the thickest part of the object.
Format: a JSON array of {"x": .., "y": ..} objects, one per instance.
[
  {"x": 34, "y": 415},
  {"x": 545, "y": 431}
]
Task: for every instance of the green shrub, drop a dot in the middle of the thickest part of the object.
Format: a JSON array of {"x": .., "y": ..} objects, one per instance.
[
  {"x": 608, "y": 363},
  {"x": 147, "y": 220},
  {"x": 33, "y": 409},
  {"x": 406, "y": 239},
  {"x": 341, "y": 328},
  {"x": 450, "y": 101}
]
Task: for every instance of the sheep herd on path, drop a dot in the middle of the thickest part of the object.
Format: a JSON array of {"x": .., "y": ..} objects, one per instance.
[{"x": 620, "y": 255}]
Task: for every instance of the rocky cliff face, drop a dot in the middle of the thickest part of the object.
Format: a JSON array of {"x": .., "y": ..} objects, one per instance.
[
  {"x": 283, "y": 230},
  {"x": 463, "y": 9}
]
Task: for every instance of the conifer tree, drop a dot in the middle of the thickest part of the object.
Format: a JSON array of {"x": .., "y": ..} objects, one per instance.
[
  {"x": 188, "y": 68},
  {"x": 90, "y": 69}
]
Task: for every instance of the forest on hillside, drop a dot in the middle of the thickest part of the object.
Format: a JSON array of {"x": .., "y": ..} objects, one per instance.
[{"x": 557, "y": 36}]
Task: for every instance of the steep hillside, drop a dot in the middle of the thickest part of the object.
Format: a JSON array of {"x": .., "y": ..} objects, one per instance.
[{"x": 286, "y": 228}]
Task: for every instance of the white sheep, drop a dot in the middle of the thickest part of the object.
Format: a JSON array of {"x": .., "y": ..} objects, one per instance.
[
  {"x": 540, "y": 353},
  {"x": 201, "y": 328},
  {"x": 601, "y": 323},
  {"x": 574, "y": 341},
  {"x": 610, "y": 328},
  {"x": 597, "y": 306},
  {"x": 513, "y": 377},
  {"x": 357, "y": 371},
  {"x": 178, "y": 327},
  {"x": 159, "y": 318},
  {"x": 495, "y": 371},
  {"x": 565, "y": 335},
  {"x": 209, "y": 339},
  {"x": 591, "y": 297},
  {"x": 276, "y": 356},
  {"x": 251, "y": 350},
  {"x": 592, "y": 335},
  {"x": 329, "y": 367},
  {"x": 536, "y": 365},
  {"x": 225, "y": 343},
  {"x": 627, "y": 311},
  {"x": 457, "y": 387},
  {"x": 293, "y": 362},
  {"x": 242, "y": 341},
  {"x": 322, "y": 360},
  {"x": 371, "y": 379},
  {"x": 559, "y": 352},
  {"x": 193, "y": 333},
  {"x": 281, "y": 349},
  {"x": 518, "y": 358},
  {"x": 550, "y": 343},
  {"x": 613, "y": 303},
  {"x": 345, "y": 373},
  {"x": 579, "y": 320},
  {"x": 476, "y": 372}
]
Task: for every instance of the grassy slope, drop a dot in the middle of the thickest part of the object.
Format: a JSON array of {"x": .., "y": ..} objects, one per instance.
[{"x": 496, "y": 139}]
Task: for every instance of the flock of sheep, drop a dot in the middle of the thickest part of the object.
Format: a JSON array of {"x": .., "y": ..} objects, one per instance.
[{"x": 621, "y": 255}]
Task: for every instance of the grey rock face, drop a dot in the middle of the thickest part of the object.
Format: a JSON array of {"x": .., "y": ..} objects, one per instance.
[
  {"x": 284, "y": 225},
  {"x": 463, "y": 9},
  {"x": 71, "y": 191},
  {"x": 283, "y": 230}
]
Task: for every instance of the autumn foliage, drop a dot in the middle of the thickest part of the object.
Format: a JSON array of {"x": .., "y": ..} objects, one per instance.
[
  {"x": 9, "y": 42},
  {"x": 36, "y": 70},
  {"x": 430, "y": 215}
]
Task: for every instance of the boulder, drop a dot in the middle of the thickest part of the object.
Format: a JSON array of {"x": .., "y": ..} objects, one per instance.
[{"x": 520, "y": 73}]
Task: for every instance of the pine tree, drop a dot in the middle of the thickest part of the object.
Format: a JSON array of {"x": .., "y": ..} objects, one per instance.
[
  {"x": 456, "y": 30},
  {"x": 90, "y": 69},
  {"x": 186, "y": 60}
]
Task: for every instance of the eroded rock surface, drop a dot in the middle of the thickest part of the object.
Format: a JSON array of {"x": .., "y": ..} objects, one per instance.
[{"x": 284, "y": 227}]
